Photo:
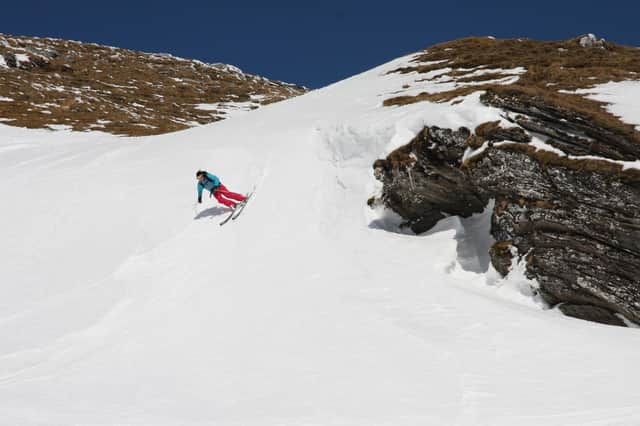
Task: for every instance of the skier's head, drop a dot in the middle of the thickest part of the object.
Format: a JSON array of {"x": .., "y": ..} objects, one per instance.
[{"x": 200, "y": 174}]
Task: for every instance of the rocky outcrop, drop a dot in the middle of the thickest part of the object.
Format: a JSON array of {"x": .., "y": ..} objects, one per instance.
[
  {"x": 578, "y": 229},
  {"x": 591, "y": 313},
  {"x": 567, "y": 129},
  {"x": 574, "y": 222},
  {"x": 424, "y": 181}
]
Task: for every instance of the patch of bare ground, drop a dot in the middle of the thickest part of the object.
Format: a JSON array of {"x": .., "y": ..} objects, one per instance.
[
  {"x": 85, "y": 86},
  {"x": 551, "y": 68}
]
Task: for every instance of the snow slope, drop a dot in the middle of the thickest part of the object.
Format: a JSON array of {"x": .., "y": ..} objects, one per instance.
[
  {"x": 621, "y": 97},
  {"x": 124, "y": 304}
]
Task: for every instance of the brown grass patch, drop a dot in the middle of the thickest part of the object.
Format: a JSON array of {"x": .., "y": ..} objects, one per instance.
[
  {"x": 485, "y": 130},
  {"x": 125, "y": 92},
  {"x": 475, "y": 141},
  {"x": 401, "y": 157},
  {"x": 503, "y": 247},
  {"x": 436, "y": 97}
]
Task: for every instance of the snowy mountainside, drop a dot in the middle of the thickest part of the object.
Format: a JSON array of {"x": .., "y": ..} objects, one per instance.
[
  {"x": 123, "y": 303},
  {"x": 52, "y": 83}
]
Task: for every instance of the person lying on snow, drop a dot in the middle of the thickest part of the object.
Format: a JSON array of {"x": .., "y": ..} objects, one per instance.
[{"x": 212, "y": 184}]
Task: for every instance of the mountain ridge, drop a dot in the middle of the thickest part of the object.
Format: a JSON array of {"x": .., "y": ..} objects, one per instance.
[{"x": 56, "y": 83}]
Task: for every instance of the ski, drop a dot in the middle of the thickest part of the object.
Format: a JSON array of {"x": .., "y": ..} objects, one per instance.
[
  {"x": 229, "y": 216},
  {"x": 237, "y": 211}
]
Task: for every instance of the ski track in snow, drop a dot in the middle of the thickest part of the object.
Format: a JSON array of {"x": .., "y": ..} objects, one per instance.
[{"x": 122, "y": 304}]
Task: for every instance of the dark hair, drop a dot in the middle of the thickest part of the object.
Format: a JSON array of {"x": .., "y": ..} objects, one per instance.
[{"x": 200, "y": 172}]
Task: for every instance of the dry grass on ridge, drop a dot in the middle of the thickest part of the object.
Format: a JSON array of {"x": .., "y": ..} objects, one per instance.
[
  {"x": 90, "y": 87},
  {"x": 551, "y": 67}
]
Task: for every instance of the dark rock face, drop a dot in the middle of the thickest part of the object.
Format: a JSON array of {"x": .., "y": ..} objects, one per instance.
[
  {"x": 424, "y": 181},
  {"x": 568, "y": 130},
  {"x": 579, "y": 230},
  {"x": 591, "y": 313},
  {"x": 576, "y": 223}
]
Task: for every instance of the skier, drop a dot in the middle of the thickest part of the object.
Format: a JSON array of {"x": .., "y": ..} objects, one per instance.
[{"x": 211, "y": 183}]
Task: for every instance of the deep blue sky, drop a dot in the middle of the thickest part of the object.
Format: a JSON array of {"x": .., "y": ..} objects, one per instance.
[{"x": 311, "y": 43}]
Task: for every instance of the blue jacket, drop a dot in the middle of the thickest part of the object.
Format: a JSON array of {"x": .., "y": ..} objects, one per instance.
[{"x": 210, "y": 183}]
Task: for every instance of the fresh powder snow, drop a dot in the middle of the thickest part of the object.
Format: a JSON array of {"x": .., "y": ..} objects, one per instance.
[{"x": 123, "y": 302}]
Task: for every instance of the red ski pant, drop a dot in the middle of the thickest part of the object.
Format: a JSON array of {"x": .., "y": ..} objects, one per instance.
[{"x": 226, "y": 197}]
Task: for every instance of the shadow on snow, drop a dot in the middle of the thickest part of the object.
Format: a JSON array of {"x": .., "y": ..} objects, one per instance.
[
  {"x": 212, "y": 212},
  {"x": 472, "y": 235}
]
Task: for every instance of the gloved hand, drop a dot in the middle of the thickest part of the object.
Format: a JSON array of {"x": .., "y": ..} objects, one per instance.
[{"x": 199, "y": 199}]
